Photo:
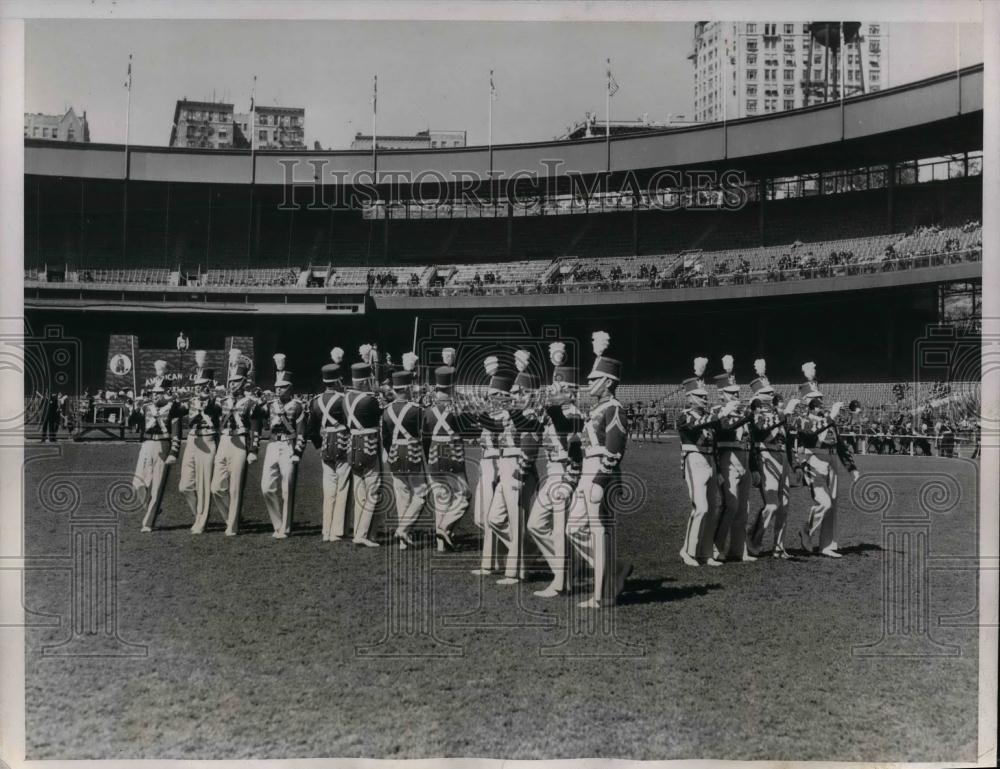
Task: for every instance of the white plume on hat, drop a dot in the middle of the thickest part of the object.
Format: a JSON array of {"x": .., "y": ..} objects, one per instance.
[
  {"x": 699, "y": 366},
  {"x": 491, "y": 364},
  {"x": 760, "y": 366},
  {"x": 448, "y": 355},
  {"x": 337, "y": 354},
  {"x": 279, "y": 361},
  {"x": 160, "y": 366},
  {"x": 365, "y": 352},
  {"x": 199, "y": 356},
  {"x": 409, "y": 361},
  {"x": 727, "y": 364},
  {"x": 521, "y": 359},
  {"x": 234, "y": 354},
  {"x": 600, "y": 340},
  {"x": 809, "y": 369},
  {"x": 557, "y": 352}
]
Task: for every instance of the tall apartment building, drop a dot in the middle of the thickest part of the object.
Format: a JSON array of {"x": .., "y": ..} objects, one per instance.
[
  {"x": 68, "y": 127},
  {"x": 277, "y": 128},
  {"x": 202, "y": 124},
  {"x": 422, "y": 140},
  {"x": 748, "y": 68}
]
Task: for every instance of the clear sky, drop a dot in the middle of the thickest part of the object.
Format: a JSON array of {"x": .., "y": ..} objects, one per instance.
[{"x": 431, "y": 74}]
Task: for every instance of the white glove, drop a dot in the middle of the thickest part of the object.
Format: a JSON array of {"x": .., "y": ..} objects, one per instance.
[
  {"x": 251, "y": 458},
  {"x": 295, "y": 458},
  {"x": 790, "y": 406},
  {"x": 729, "y": 408},
  {"x": 835, "y": 409},
  {"x": 170, "y": 460},
  {"x": 596, "y": 494},
  {"x": 855, "y": 475}
]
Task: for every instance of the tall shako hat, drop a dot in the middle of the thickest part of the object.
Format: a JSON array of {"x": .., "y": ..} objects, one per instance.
[
  {"x": 524, "y": 380},
  {"x": 760, "y": 383},
  {"x": 726, "y": 381},
  {"x": 695, "y": 385},
  {"x": 361, "y": 371},
  {"x": 331, "y": 371},
  {"x": 444, "y": 378},
  {"x": 207, "y": 375},
  {"x": 499, "y": 382},
  {"x": 405, "y": 378},
  {"x": 448, "y": 356},
  {"x": 283, "y": 379},
  {"x": 565, "y": 375},
  {"x": 238, "y": 372},
  {"x": 603, "y": 366},
  {"x": 809, "y": 389}
]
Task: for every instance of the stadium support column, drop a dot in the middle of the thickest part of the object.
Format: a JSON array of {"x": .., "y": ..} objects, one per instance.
[
  {"x": 385, "y": 236},
  {"x": 761, "y": 194},
  {"x": 510, "y": 229},
  {"x": 635, "y": 230},
  {"x": 890, "y": 194}
]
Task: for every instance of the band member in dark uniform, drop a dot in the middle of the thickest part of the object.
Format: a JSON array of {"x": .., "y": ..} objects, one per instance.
[
  {"x": 402, "y": 450},
  {"x": 327, "y": 429},
  {"x": 160, "y": 448},
  {"x": 444, "y": 447},
  {"x": 364, "y": 416}
]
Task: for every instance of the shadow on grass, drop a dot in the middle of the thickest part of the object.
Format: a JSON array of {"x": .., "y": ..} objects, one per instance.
[{"x": 641, "y": 591}]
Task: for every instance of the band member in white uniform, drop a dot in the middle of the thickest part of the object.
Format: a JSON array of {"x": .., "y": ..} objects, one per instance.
[
  {"x": 498, "y": 397},
  {"x": 591, "y": 518},
  {"x": 160, "y": 448},
  {"x": 240, "y": 435},
  {"x": 285, "y": 418},
  {"x": 202, "y": 412}
]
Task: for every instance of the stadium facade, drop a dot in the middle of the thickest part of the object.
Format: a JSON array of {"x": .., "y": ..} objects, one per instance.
[{"x": 303, "y": 251}]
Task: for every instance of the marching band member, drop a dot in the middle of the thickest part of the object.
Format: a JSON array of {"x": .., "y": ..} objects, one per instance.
[
  {"x": 327, "y": 427},
  {"x": 591, "y": 514},
  {"x": 196, "y": 374},
  {"x": 770, "y": 443},
  {"x": 402, "y": 450},
  {"x": 818, "y": 428},
  {"x": 364, "y": 416},
  {"x": 240, "y": 437},
  {"x": 444, "y": 447},
  {"x": 562, "y": 426},
  {"x": 505, "y": 514},
  {"x": 732, "y": 442},
  {"x": 161, "y": 446},
  {"x": 498, "y": 393},
  {"x": 285, "y": 417},
  {"x": 696, "y": 427},
  {"x": 202, "y": 412}
]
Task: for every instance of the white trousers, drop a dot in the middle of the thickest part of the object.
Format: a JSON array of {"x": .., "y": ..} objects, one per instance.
[
  {"x": 505, "y": 516},
  {"x": 150, "y": 477},
  {"x": 734, "y": 475},
  {"x": 588, "y": 532},
  {"x": 774, "y": 493},
  {"x": 547, "y": 520},
  {"x": 366, "y": 494},
  {"x": 486, "y": 488},
  {"x": 823, "y": 514},
  {"x": 228, "y": 474},
  {"x": 699, "y": 475},
  {"x": 410, "y": 492},
  {"x": 449, "y": 498},
  {"x": 196, "y": 477},
  {"x": 275, "y": 483},
  {"x": 336, "y": 490}
]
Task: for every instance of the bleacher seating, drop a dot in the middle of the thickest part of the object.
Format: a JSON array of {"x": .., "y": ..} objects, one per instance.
[
  {"x": 252, "y": 277},
  {"x": 146, "y": 276}
]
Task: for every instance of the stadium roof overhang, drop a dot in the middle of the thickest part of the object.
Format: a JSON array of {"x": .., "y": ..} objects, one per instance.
[{"x": 937, "y": 116}]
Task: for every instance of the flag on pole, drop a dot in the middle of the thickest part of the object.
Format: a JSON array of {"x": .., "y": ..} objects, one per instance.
[
  {"x": 612, "y": 83},
  {"x": 493, "y": 89},
  {"x": 375, "y": 96},
  {"x": 128, "y": 81}
]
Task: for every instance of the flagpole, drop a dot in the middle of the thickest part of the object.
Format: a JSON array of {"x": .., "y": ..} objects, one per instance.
[
  {"x": 253, "y": 165},
  {"x": 375, "y": 134},
  {"x": 491, "y": 123},
  {"x": 128, "y": 164},
  {"x": 607, "y": 118}
]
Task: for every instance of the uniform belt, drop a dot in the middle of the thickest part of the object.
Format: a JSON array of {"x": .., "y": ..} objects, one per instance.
[
  {"x": 234, "y": 431},
  {"x": 559, "y": 458},
  {"x": 765, "y": 447},
  {"x": 330, "y": 430},
  {"x": 405, "y": 442},
  {"x": 199, "y": 433},
  {"x": 283, "y": 437},
  {"x": 364, "y": 431},
  {"x": 158, "y": 438},
  {"x": 509, "y": 452},
  {"x": 443, "y": 438},
  {"x": 490, "y": 453},
  {"x": 690, "y": 448},
  {"x": 730, "y": 445},
  {"x": 595, "y": 451}
]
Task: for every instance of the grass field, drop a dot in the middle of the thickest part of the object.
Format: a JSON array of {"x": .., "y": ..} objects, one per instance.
[{"x": 252, "y": 643}]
